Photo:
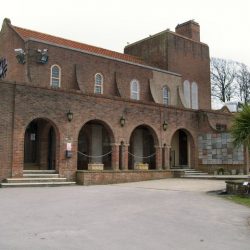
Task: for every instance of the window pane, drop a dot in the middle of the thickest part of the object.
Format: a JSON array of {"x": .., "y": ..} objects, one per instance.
[
  {"x": 134, "y": 86},
  {"x": 55, "y": 72},
  {"x": 55, "y": 82},
  {"x": 134, "y": 96},
  {"x": 98, "y": 89},
  {"x": 165, "y": 95},
  {"x": 134, "y": 90},
  {"x": 98, "y": 79}
]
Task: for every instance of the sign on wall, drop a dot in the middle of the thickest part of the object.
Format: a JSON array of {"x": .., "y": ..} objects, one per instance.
[{"x": 3, "y": 68}]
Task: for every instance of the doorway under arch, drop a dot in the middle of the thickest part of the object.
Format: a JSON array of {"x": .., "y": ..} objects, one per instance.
[
  {"x": 40, "y": 145},
  {"x": 180, "y": 154}
]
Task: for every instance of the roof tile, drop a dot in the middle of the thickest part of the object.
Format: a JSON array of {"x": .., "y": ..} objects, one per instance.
[{"x": 27, "y": 34}]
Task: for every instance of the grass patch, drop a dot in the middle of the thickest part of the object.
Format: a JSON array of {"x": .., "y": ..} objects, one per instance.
[{"x": 240, "y": 200}]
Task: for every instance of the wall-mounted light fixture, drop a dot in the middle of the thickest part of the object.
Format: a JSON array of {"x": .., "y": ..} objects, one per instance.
[
  {"x": 165, "y": 125},
  {"x": 42, "y": 56},
  {"x": 70, "y": 116},
  {"x": 20, "y": 55},
  {"x": 122, "y": 121}
]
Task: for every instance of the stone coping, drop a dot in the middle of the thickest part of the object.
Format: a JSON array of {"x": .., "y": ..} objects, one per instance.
[
  {"x": 238, "y": 181},
  {"x": 219, "y": 177},
  {"x": 122, "y": 171}
]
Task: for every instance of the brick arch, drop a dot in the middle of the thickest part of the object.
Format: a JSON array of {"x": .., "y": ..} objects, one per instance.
[
  {"x": 106, "y": 125},
  {"x": 46, "y": 142},
  {"x": 93, "y": 141},
  {"x": 184, "y": 129},
  {"x": 52, "y": 123},
  {"x": 143, "y": 147},
  {"x": 18, "y": 146},
  {"x": 151, "y": 129},
  {"x": 191, "y": 144}
]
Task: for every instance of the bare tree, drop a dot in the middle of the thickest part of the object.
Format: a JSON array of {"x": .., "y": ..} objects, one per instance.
[
  {"x": 223, "y": 75},
  {"x": 243, "y": 82}
]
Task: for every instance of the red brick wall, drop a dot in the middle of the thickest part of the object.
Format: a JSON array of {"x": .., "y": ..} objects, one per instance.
[
  {"x": 87, "y": 67},
  {"x": 33, "y": 102},
  {"x": 9, "y": 41},
  {"x": 191, "y": 60},
  {"x": 181, "y": 55},
  {"x": 152, "y": 50},
  {"x": 6, "y": 128},
  {"x": 95, "y": 178},
  {"x": 189, "y": 29}
]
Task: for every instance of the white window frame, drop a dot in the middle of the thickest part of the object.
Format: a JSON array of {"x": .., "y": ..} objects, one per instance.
[
  {"x": 135, "y": 94},
  {"x": 165, "y": 98},
  {"x": 98, "y": 85},
  {"x": 55, "y": 78}
]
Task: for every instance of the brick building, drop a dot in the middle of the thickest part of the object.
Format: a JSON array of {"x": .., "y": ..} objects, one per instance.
[{"x": 75, "y": 108}]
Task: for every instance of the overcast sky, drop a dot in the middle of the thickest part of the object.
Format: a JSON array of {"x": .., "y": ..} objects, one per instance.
[{"x": 224, "y": 24}]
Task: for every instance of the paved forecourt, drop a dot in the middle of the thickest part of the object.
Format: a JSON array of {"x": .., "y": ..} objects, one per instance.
[{"x": 164, "y": 214}]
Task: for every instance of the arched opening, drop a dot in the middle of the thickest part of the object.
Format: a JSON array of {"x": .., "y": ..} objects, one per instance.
[
  {"x": 94, "y": 146},
  {"x": 180, "y": 154},
  {"x": 142, "y": 147},
  {"x": 40, "y": 145}
]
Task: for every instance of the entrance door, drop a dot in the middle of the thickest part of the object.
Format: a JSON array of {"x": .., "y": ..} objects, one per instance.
[
  {"x": 51, "y": 149},
  {"x": 30, "y": 145},
  {"x": 183, "y": 148}
]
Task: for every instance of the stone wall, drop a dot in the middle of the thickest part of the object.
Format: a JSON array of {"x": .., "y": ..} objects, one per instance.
[{"x": 218, "y": 149}]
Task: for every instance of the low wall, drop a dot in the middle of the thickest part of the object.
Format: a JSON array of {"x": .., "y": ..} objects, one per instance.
[
  {"x": 84, "y": 177},
  {"x": 227, "y": 168},
  {"x": 237, "y": 187}
]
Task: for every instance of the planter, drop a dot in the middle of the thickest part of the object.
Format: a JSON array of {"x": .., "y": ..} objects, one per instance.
[
  {"x": 233, "y": 171},
  {"x": 95, "y": 166},
  {"x": 141, "y": 166}
]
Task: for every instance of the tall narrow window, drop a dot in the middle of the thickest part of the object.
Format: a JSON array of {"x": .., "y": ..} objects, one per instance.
[
  {"x": 186, "y": 86},
  {"x": 55, "y": 76},
  {"x": 165, "y": 93},
  {"x": 98, "y": 84},
  {"x": 134, "y": 90},
  {"x": 194, "y": 94}
]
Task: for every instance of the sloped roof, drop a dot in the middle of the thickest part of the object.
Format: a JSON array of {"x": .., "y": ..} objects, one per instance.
[{"x": 28, "y": 34}]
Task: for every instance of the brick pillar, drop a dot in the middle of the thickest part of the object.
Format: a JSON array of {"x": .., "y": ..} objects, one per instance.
[
  {"x": 124, "y": 155},
  {"x": 158, "y": 157},
  {"x": 115, "y": 156},
  {"x": 166, "y": 152},
  {"x": 18, "y": 152}
]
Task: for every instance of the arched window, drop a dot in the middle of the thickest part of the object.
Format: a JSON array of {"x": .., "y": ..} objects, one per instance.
[
  {"x": 194, "y": 95},
  {"x": 134, "y": 90},
  {"x": 186, "y": 87},
  {"x": 55, "y": 76},
  {"x": 98, "y": 84},
  {"x": 165, "y": 95}
]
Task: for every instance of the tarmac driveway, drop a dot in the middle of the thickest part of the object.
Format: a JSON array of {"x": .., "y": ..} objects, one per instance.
[{"x": 165, "y": 214}]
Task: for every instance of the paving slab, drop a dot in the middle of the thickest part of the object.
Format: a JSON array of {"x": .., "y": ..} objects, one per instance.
[{"x": 164, "y": 214}]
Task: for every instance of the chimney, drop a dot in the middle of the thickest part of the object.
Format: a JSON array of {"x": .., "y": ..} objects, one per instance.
[{"x": 190, "y": 29}]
